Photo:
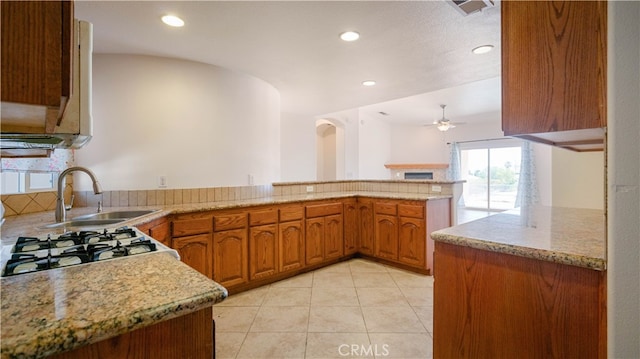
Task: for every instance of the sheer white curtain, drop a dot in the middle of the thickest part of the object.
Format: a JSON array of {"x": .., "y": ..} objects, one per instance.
[
  {"x": 527, "y": 183},
  {"x": 454, "y": 172}
]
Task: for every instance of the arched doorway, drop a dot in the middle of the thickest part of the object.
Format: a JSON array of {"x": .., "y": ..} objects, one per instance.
[{"x": 329, "y": 150}]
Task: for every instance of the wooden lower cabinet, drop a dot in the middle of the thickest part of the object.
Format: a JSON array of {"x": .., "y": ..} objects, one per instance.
[
  {"x": 188, "y": 336},
  {"x": 314, "y": 241},
  {"x": 291, "y": 245},
  {"x": 196, "y": 251},
  {"x": 230, "y": 256},
  {"x": 386, "y": 237},
  {"x": 333, "y": 237},
  {"x": 263, "y": 251},
  {"x": 496, "y": 305},
  {"x": 365, "y": 226},
  {"x": 351, "y": 226},
  {"x": 159, "y": 229},
  {"x": 412, "y": 242}
]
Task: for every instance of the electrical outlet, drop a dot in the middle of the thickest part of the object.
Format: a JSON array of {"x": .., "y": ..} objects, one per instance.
[
  {"x": 309, "y": 189},
  {"x": 436, "y": 188},
  {"x": 162, "y": 181}
]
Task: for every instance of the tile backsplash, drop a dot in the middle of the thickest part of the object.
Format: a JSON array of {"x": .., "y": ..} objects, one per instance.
[{"x": 25, "y": 203}]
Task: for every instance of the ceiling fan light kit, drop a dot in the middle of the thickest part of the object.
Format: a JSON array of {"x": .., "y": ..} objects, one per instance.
[{"x": 443, "y": 124}]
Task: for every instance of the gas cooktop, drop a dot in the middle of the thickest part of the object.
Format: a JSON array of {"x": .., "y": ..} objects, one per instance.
[{"x": 34, "y": 254}]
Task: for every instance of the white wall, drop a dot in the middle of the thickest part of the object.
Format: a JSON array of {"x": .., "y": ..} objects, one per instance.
[
  {"x": 374, "y": 148},
  {"x": 578, "y": 179},
  {"x": 197, "y": 124},
  {"x": 623, "y": 180},
  {"x": 298, "y": 147}
]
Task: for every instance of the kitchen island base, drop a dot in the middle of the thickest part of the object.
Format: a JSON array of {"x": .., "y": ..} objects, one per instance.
[
  {"x": 496, "y": 305},
  {"x": 188, "y": 336}
]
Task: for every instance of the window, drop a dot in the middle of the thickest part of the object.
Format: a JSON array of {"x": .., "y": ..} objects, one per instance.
[
  {"x": 27, "y": 181},
  {"x": 491, "y": 169}
]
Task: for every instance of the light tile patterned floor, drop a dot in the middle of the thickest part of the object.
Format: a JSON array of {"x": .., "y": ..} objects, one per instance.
[{"x": 353, "y": 309}]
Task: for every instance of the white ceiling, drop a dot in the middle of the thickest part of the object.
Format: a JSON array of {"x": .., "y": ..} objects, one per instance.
[{"x": 419, "y": 52}]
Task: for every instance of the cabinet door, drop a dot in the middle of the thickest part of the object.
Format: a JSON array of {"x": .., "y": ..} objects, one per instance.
[
  {"x": 314, "y": 243},
  {"x": 351, "y": 227},
  {"x": 196, "y": 251},
  {"x": 263, "y": 251},
  {"x": 553, "y": 66},
  {"x": 366, "y": 227},
  {"x": 161, "y": 232},
  {"x": 291, "y": 245},
  {"x": 333, "y": 238},
  {"x": 386, "y": 240},
  {"x": 412, "y": 242},
  {"x": 230, "y": 257}
]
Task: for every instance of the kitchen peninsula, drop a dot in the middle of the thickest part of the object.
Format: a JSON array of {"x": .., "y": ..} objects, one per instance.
[
  {"x": 525, "y": 283},
  {"x": 81, "y": 307}
]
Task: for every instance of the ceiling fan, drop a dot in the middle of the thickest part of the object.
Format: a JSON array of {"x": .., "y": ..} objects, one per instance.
[{"x": 444, "y": 124}]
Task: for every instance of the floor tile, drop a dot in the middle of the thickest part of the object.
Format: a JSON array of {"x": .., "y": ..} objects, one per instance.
[
  {"x": 281, "y": 319},
  {"x": 332, "y": 279},
  {"x": 336, "y": 319},
  {"x": 234, "y": 319},
  {"x": 402, "y": 345},
  {"x": 273, "y": 346},
  {"x": 373, "y": 280},
  {"x": 363, "y": 265},
  {"x": 279, "y": 296},
  {"x": 330, "y": 296},
  {"x": 250, "y": 298},
  {"x": 425, "y": 314},
  {"x": 418, "y": 297},
  {"x": 392, "y": 320},
  {"x": 228, "y": 344},
  {"x": 304, "y": 280},
  {"x": 337, "y": 345},
  {"x": 409, "y": 279},
  {"x": 381, "y": 297}
]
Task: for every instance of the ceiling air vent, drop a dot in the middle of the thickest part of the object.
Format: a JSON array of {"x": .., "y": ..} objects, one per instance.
[{"x": 466, "y": 7}]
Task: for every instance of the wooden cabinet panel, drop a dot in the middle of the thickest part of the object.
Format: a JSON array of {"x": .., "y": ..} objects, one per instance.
[
  {"x": 196, "y": 251},
  {"x": 263, "y": 216},
  {"x": 333, "y": 237},
  {"x": 386, "y": 237},
  {"x": 382, "y": 207},
  {"x": 229, "y": 220},
  {"x": 325, "y": 209},
  {"x": 553, "y": 66},
  {"x": 230, "y": 254},
  {"x": 263, "y": 251},
  {"x": 291, "y": 244},
  {"x": 314, "y": 241},
  {"x": 162, "y": 232},
  {"x": 351, "y": 226},
  {"x": 192, "y": 223},
  {"x": 36, "y": 54},
  {"x": 411, "y": 210},
  {"x": 412, "y": 242},
  {"x": 495, "y": 305},
  {"x": 366, "y": 226},
  {"x": 291, "y": 212}
]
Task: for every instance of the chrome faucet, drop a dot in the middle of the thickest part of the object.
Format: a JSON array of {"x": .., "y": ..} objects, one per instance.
[{"x": 61, "y": 214}]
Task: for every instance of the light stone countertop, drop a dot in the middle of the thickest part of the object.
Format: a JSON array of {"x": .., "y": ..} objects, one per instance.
[
  {"x": 561, "y": 235},
  {"x": 48, "y": 312},
  {"x": 60, "y": 309}
]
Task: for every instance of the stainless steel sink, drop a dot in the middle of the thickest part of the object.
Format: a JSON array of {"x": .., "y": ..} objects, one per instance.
[
  {"x": 84, "y": 223},
  {"x": 101, "y": 219},
  {"x": 121, "y": 215}
]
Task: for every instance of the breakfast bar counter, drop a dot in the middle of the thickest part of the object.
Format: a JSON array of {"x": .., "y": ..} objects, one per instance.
[
  {"x": 50, "y": 312},
  {"x": 528, "y": 283}
]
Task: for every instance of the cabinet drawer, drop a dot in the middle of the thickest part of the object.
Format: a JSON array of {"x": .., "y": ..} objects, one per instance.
[
  {"x": 410, "y": 210},
  {"x": 386, "y": 208},
  {"x": 223, "y": 222},
  {"x": 321, "y": 210},
  {"x": 290, "y": 213},
  {"x": 185, "y": 225},
  {"x": 263, "y": 216}
]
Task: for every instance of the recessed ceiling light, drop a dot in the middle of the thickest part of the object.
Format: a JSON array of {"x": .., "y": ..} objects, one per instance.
[
  {"x": 172, "y": 20},
  {"x": 349, "y": 36},
  {"x": 368, "y": 83},
  {"x": 482, "y": 49}
]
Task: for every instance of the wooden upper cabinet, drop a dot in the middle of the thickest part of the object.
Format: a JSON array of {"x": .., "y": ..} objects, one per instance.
[
  {"x": 554, "y": 72},
  {"x": 36, "y": 62}
]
